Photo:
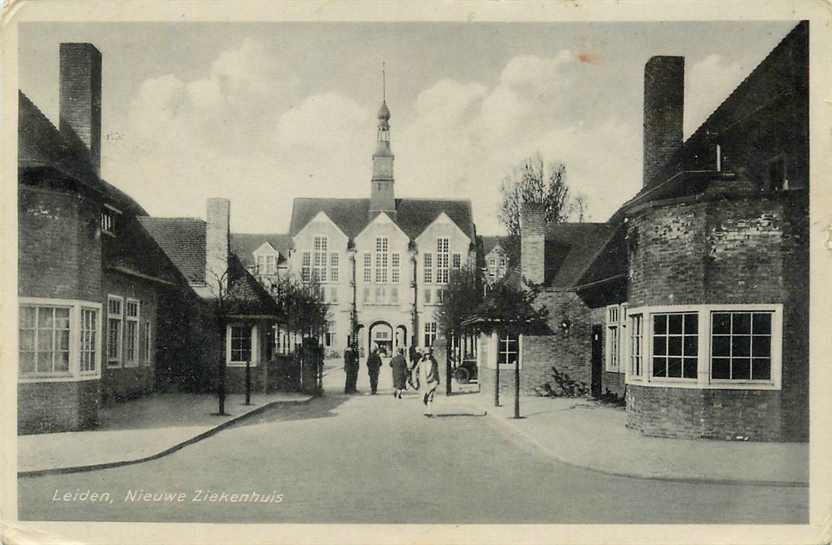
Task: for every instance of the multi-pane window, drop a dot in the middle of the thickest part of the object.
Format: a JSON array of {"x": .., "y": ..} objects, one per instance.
[
  {"x": 441, "y": 260},
  {"x": 428, "y": 268},
  {"x": 306, "y": 267},
  {"x": 115, "y": 316},
  {"x": 508, "y": 346},
  {"x": 741, "y": 346},
  {"x": 636, "y": 335},
  {"x": 334, "y": 268},
  {"x": 430, "y": 333},
  {"x": 319, "y": 259},
  {"x": 381, "y": 259},
  {"x": 131, "y": 333},
  {"x": 613, "y": 337},
  {"x": 146, "y": 343},
  {"x": 44, "y": 340},
  {"x": 89, "y": 331},
  {"x": 240, "y": 344},
  {"x": 108, "y": 222},
  {"x": 457, "y": 262},
  {"x": 368, "y": 267},
  {"x": 395, "y": 268},
  {"x": 675, "y": 345}
]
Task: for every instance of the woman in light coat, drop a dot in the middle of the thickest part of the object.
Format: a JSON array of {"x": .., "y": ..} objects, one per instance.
[{"x": 429, "y": 374}]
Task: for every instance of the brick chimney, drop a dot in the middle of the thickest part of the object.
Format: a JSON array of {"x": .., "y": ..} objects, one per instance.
[
  {"x": 664, "y": 101},
  {"x": 533, "y": 242},
  {"x": 217, "y": 235},
  {"x": 80, "y": 99}
]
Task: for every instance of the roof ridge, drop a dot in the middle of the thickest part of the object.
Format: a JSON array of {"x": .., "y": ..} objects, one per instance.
[{"x": 171, "y": 218}]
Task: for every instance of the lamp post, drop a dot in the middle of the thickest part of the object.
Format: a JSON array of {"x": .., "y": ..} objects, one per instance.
[
  {"x": 414, "y": 284},
  {"x": 354, "y": 311}
]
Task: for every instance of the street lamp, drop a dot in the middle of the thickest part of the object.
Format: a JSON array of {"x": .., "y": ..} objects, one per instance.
[
  {"x": 351, "y": 253},
  {"x": 413, "y": 284}
]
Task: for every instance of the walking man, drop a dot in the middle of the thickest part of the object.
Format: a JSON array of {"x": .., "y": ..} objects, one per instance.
[{"x": 373, "y": 366}]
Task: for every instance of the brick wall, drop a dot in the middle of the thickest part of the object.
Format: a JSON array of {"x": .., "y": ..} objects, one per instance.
[
  {"x": 664, "y": 92},
  {"x": 533, "y": 242},
  {"x": 59, "y": 248},
  {"x": 737, "y": 249},
  {"x": 47, "y": 407},
  {"x": 80, "y": 98}
]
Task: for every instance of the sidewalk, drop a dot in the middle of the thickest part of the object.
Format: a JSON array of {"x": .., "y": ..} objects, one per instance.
[
  {"x": 591, "y": 435},
  {"x": 138, "y": 430}
]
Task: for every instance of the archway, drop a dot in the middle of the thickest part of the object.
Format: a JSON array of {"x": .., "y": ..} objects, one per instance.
[{"x": 381, "y": 334}]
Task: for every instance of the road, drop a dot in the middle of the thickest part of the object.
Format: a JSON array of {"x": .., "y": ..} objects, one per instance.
[{"x": 378, "y": 459}]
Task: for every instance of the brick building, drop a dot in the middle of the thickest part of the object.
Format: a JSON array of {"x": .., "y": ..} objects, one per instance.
[
  {"x": 106, "y": 311},
  {"x": 694, "y": 303}
]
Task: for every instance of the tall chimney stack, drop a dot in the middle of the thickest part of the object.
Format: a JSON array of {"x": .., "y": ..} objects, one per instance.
[
  {"x": 217, "y": 236},
  {"x": 664, "y": 103},
  {"x": 533, "y": 242},
  {"x": 80, "y": 99}
]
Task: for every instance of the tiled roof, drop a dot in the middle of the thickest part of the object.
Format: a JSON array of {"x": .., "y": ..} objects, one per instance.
[
  {"x": 41, "y": 145},
  {"x": 244, "y": 244},
  {"x": 570, "y": 249},
  {"x": 489, "y": 243},
  {"x": 183, "y": 241},
  {"x": 352, "y": 215},
  {"x": 245, "y": 294},
  {"x": 610, "y": 262}
]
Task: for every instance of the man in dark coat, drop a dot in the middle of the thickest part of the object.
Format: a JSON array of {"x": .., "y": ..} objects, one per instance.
[
  {"x": 351, "y": 370},
  {"x": 373, "y": 365}
]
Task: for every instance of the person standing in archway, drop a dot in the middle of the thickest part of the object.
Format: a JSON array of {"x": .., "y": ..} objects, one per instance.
[{"x": 373, "y": 366}]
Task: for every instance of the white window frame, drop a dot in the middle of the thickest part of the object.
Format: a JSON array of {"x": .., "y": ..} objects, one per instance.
[
  {"x": 75, "y": 373},
  {"x": 254, "y": 345},
  {"x": 306, "y": 267},
  {"x": 429, "y": 334},
  {"x": 395, "y": 267},
  {"x": 703, "y": 379},
  {"x": 443, "y": 245},
  {"x": 136, "y": 321},
  {"x": 147, "y": 344},
  {"x": 108, "y": 220},
  {"x": 116, "y": 361},
  {"x": 382, "y": 253},
  {"x": 427, "y": 268},
  {"x": 368, "y": 267},
  {"x": 334, "y": 267},
  {"x": 612, "y": 339},
  {"x": 320, "y": 257}
]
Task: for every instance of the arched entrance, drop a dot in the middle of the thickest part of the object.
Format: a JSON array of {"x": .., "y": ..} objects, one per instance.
[
  {"x": 381, "y": 335},
  {"x": 400, "y": 340}
]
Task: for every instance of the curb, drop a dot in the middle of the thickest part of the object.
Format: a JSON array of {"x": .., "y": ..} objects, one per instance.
[
  {"x": 503, "y": 422},
  {"x": 170, "y": 450}
]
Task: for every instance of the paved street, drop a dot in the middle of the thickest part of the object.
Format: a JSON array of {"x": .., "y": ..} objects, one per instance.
[{"x": 378, "y": 459}]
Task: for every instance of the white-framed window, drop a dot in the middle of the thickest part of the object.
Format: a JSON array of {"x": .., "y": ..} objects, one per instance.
[
  {"x": 306, "y": 267},
  {"x": 508, "y": 349},
  {"x": 319, "y": 257},
  {"x": 741, "y": 346},
  {"x": 442, "y": 260},
  {"x": 430, "y": 334},
  {"x": 636, "y": 344},
  {"x": 131, "y": 333},
  {"x": 261, "y": 264},
  {"x": 108, "y": 221},
  {"x": 613, "y": 341},
  {"x": 427, "y": 272},
  {"x": 457, "y": 261},
  {"x": 115, "y": 322},
  {"x": 147, "y": 344},
  {"x": 241, "y": 345},
  {"x": 368, "y": 267},
  {"x": 44, "y": 340},
  {"x": 382, "y": 247},
  {"x": 706, "y": 346},
  {"x": 395, "y": 267},
  {"x": 334, "y": 267},
  {"x": 59, "y": 340}
]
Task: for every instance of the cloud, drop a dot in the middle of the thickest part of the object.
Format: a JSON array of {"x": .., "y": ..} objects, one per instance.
[{"x": 707, "y": 83}]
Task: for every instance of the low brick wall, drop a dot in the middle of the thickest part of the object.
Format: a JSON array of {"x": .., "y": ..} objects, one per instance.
[
  {"x": 691, "y": 413},
  {"x": 612, "y": 383},
  {"x": 120, "y": 384},
  {"x": 48, "y": 407}
]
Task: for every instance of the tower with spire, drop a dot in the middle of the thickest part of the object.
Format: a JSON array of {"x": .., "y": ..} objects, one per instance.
[{"x": 382, "y": 192}]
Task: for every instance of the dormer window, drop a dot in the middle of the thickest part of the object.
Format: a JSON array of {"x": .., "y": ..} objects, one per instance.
[{"x": 108, "y": 219}]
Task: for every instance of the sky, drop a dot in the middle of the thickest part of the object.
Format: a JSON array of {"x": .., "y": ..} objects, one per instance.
[{"x": 264, "y": 113}]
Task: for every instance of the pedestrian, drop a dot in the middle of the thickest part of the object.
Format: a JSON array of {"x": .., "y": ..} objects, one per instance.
[
  {"x": 429, "y": 369},
  {"x": 399, "y": 366},
  {"x": 351, "y": 370},
  {"x": 413, "y": 372},
  {"x": 373, "y": 365}
]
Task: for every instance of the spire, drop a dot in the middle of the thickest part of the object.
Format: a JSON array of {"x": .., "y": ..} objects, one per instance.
[{"x": 382, "y": 195}]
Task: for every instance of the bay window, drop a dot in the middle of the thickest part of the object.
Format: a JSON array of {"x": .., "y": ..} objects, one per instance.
[
  {"x": 706, "y": 346},
  {"x": 58, "y": 340}
]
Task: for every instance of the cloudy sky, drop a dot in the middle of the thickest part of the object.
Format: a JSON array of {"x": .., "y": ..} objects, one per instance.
[{"x": 263, "y": 113}]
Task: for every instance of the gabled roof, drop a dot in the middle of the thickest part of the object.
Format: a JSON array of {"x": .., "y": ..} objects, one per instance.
[
  {"x": 244, "y": 245},
  {"x": 570, "y": 249},
  {"x": 489, "y": 243},
  {"x": 42, "y": 148},
  {"x": 413, "y": 216},
  {"x": 183, "y": 241}
]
